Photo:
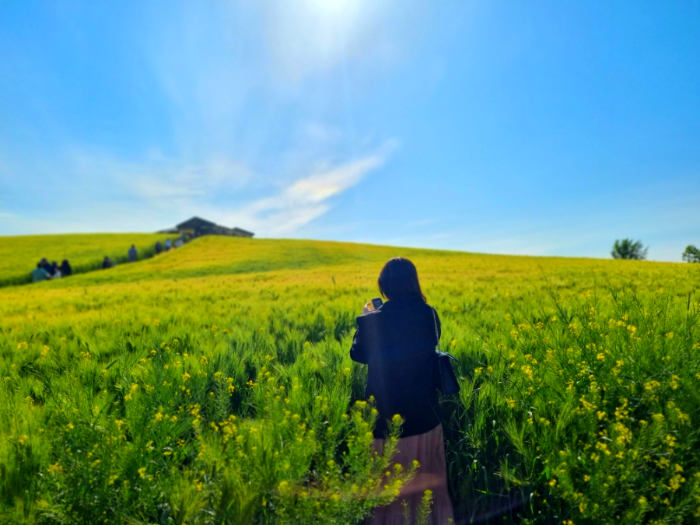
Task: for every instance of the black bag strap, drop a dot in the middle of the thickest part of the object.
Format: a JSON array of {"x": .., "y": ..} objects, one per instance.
[
  {"x": 439, "y": 351},
  {"x": 437, "y": 334}
]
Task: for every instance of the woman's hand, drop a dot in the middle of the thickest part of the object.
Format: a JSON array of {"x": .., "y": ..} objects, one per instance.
[{"x": 368, "y": 308}]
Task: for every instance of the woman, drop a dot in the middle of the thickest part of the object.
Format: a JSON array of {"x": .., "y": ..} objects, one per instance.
[
  {"x": 66, "y": 269},
  {"x": 397, "y": 341}
]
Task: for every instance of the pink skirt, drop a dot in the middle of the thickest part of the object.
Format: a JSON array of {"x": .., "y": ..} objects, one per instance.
[{"x": 429, "y": 450}]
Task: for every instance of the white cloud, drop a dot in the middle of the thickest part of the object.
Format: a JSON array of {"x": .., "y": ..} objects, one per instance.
[
  {"x": 155, "y": 192},
  {"x": 306, "y": 199}
]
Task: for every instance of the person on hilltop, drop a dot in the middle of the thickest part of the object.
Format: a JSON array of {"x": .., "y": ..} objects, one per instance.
[
  {"x": 159, "y": 247},
  {"x": 397, "y": 340},
  {"x": 167, "y": 245},
  {"x": 133, "y": 253},
  {"x": 66, "y": 269},
  {"x": 45, "y": 265},
  {"x": 55, "y": 271},
  {"x": 39, "y": 274},
  {"x": 107, "y": 263},
  {"x": 50, "y": 268}
]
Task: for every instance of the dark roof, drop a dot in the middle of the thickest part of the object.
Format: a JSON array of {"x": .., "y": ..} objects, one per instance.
[
  {"x": 195, "y": 222},
  {"x": 241, "y": 230}
]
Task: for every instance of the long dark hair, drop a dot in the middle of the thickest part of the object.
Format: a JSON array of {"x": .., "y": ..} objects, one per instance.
[
  {"x": 65, "y": 268},
  {"x": 399, "y": 280}
]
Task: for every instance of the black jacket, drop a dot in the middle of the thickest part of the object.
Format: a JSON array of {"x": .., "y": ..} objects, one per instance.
[{"x": 398, "y": 342}]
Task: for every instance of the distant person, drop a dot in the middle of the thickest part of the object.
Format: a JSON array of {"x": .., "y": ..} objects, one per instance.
[
  {"x": 39, "y": 274},
  {"x": 178, "y": 242},
  {"x": 397, "y": 340},
  {"x": 66, "y": 269},
  {"x": 48, "y": 268},
  {"x": 133, "y": 253},
  {"x": 167, "y": 244},
  {"x": 54, "y": 270},
  {"x": 107, "y": 263},
  {"x": 159, "y": 247},
  {"x": 45, "y": 265}
]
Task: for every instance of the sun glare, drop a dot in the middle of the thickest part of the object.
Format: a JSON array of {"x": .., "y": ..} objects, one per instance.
[
  {"x": 334, "y": 8},
  {"x": 332, "y": 5}
]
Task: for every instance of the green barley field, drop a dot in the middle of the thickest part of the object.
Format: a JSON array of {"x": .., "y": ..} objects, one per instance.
[
  {"x": 85, "y": 252},
  {"x": 213, "y": 385}
]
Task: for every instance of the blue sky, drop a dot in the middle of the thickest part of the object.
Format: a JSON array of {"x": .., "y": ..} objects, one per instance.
[{"x": 542, "y": 128}]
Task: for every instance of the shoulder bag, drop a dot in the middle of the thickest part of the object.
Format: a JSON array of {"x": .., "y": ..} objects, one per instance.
[{"x": 448, "y": 381}]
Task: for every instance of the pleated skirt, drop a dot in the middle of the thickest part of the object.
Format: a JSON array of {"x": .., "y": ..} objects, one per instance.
[{"x": 429, "y": 450}]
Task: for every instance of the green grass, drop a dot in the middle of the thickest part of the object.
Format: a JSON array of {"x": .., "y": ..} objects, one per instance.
[
  {"x": 19, "y": 255},
  {"x": 213, "y": 384}
]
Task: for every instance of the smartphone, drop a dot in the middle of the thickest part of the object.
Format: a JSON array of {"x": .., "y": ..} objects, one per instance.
[{"x": 376, "y": 302}]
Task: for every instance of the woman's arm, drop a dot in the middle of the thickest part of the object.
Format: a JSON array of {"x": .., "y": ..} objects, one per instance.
[{"x": 358, "y": 349}]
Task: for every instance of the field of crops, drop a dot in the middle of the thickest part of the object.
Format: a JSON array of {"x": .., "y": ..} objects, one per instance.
[
  {"x": 213, "y": 384},
  {"x": 19, "y": 255}
]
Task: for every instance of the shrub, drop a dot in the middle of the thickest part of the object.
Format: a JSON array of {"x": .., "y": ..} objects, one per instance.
[
  {"x": 691, "y": 254},
  {"x": 629, "y": 249}
]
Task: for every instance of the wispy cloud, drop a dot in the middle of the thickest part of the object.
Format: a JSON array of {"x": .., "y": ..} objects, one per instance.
[
  {"x": 307, "y": 198},
  {"x": 191, "y": 182},
  {"x": 236, "y": 137},
  {"x": 157, "y": 192}
]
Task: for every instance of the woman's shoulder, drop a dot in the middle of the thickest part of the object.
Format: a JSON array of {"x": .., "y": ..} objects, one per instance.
[{"x": 431, "y": 309}]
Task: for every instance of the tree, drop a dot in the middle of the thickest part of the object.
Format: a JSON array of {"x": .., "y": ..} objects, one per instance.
[
  {"x": 691, "y": 254},
  {"x": 629, "y": 249}
]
